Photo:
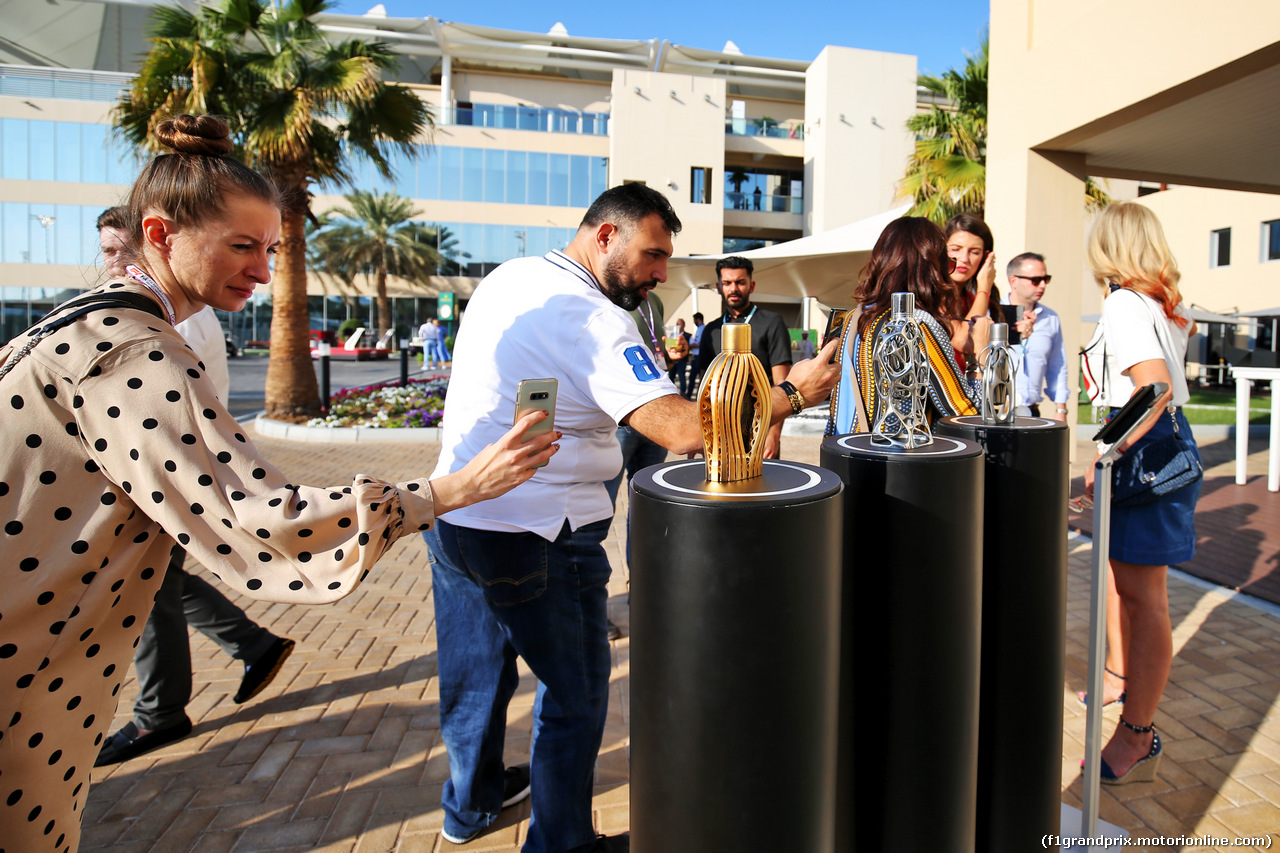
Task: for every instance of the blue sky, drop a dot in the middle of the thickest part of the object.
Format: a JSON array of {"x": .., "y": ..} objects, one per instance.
[{"x": 939, "y": 33}]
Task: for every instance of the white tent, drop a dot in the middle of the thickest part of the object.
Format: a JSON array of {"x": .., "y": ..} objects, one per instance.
[{"x": 824, "y": 266}]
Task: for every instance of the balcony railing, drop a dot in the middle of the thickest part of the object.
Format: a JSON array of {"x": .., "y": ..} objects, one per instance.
[
  {"x": 543, "y": 119},
  {"x": 31, "y": 82},
  {"x": 763, "y": 202},
  {"x": 763, "y": 127}
]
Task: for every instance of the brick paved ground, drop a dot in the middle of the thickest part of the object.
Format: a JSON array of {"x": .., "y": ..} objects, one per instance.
[{"x": 343, "y": 752}]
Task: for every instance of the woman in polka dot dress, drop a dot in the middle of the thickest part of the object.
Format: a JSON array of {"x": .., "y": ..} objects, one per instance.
[{"x": 116, "y": 446}]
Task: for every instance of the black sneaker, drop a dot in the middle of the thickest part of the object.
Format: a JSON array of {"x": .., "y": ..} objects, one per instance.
[
  {"x": 260, "y": 673},
  {"x": 613, "y": 843},
  {"x": 127, "y": 743},
  {"x": 515, "y": 788}
]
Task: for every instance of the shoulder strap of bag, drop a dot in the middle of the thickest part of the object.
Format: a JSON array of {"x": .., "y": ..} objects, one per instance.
[{"x": 79, "y": 307}]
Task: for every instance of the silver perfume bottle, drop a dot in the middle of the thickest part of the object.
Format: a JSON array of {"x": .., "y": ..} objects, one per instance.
[
  {"x": 999, "y": 377},
  {"x": 900, "y": 368}
]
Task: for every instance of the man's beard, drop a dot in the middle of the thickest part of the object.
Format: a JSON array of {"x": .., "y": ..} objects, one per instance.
[{"x": 615, "y": 285}]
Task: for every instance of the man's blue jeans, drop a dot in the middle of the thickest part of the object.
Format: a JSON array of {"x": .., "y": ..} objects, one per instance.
[{"x": 499, "y": 595}]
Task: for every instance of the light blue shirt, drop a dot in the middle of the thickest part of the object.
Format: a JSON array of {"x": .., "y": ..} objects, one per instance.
[{"x": 1044, "y": 361}]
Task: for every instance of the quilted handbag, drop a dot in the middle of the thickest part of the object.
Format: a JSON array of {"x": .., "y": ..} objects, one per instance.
[{"x": 1155, "y": 469}]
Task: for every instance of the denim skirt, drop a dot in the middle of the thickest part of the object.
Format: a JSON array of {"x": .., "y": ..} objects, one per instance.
[{"x": 1163, "y": 532}]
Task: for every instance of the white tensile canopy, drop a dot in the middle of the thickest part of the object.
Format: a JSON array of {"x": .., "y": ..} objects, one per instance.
[{"x": 824, "y": 266}]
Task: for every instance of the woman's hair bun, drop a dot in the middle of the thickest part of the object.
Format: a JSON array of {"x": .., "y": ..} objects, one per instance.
[{"x": 187, "y": 134}]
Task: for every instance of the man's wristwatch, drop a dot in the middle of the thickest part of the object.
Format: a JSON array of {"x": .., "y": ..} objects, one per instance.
[
  {"x": 797, "y": 401},
  {"x": 1062, "y": 410}
]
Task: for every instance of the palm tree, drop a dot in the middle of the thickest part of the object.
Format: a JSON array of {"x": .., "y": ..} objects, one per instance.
[
  {"x": 297, "y": 104},
  {"x": 375, "y": 236},
  {"x": 947, "y": 172}
]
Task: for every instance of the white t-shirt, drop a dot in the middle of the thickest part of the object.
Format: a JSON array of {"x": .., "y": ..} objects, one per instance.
[
  {"x": 204, "y": 333},
  {"x": 1128, "y": 321},
  {"x": 540, "y": 318}
]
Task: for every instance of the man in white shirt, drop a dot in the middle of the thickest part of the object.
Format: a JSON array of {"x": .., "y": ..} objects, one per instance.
[
  {"x": 1043, "y": 371},
  {"x": 527, "y": 575}
]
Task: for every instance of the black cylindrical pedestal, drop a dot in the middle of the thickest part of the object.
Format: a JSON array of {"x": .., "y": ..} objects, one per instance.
[
  {"x": 734, "y": 641},
  {"x": 908, "y": 727},
  {"x": 1024, "y": 599}
]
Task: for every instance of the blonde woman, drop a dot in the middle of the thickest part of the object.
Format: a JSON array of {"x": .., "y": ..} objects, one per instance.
[{"x": 1146, "y": 326}]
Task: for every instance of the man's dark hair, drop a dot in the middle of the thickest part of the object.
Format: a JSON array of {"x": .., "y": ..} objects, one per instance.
[
  {"x": 697, "y": 317},
  {"x": 735, "y": 262},
  {"x": 1016, "y": 263},
  {"x": 626, "y": 206},
  {"x": 113, "y": 217}
]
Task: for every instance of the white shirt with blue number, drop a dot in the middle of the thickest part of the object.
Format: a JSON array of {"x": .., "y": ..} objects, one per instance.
[{"x": 541, "y": 318}]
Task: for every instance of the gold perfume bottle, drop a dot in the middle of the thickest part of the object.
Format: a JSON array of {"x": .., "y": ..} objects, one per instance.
[{"x": 735, "y": 404}]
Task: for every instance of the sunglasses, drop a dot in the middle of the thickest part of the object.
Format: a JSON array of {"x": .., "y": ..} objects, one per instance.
[
  {"x": 1035, "y": 279},
  {"x": 951, "y": 264}
]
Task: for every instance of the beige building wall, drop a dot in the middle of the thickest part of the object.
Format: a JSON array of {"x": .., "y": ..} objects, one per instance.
[
  {"x": 856, "y": 145},
  {"x": 662, "y": 126},
  {"x": 480, "y": 87},
  {"x": 1054, "y": 84},
  {"x": 1189, "y": 214}
]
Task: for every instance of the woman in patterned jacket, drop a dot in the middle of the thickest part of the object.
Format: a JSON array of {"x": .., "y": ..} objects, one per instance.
[{"x": 118, "y": 446}]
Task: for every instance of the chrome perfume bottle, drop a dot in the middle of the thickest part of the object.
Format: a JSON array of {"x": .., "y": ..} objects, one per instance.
[
  {"x": 999, "y": 377},
  {"x": 735, "y": 404},
  {"x": 900, "y": 368}
]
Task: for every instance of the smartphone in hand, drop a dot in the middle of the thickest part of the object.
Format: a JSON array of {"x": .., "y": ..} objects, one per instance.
[
  {"x": 835, "y": 325},
  {"x": 535, "y": 394}
]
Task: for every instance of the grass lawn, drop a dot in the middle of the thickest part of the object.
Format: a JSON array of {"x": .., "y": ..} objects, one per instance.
[{"x": 1208, "y": 406}]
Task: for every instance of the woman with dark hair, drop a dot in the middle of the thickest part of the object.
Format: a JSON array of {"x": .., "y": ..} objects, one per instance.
[
  {"x": 910, "y": 256},
  {"x": 125, "y": 448},
  {"x": 1145, "y": 327},
  {"x": 974, "y": 300}
]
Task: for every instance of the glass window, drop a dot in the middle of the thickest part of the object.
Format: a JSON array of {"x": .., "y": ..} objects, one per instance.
[
  {"x": 89, "y": 235},
  {"x": 495, "y": 167},
  {"x": 93, "y": 153},
  {"x": 16, "y": 236},
  {"x": 1271, "y": 240},
  {"x": 472, "y": 174},
  {"x": 40, "y": 227},
  {"x": 66, "y": 234},
  {"x": 579, "y": 180},
  {"x": 538, "y": 177},
  {"x": 517, "y": 177},
  {"x": 67, "y": 156},
  {"x": 1220, "y": 248},
  {"x": 558, "y": 184},
  {"x": 122, "y": 162},
  {"x": 536, "y": 241},
  {"x": 376, "y": 180},
  {"x": 451, "y": 173},
  {"x": 700, "y": 185},
  {"x": 428, "y": 173},
  {"x": 495, "y": 246},
  {"x": 42, "y": 147},
  {"x": 599, "y": 176},
  {"x": 15, "y": 149},
  {"x": 406, "y": 180},
  {"x": 471, "y": 244}
]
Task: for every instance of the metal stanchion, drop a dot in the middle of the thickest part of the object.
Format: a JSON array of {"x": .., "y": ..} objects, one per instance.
[
  {"x": 323, "y": 350},
  {"x": 404, "y": 362}
]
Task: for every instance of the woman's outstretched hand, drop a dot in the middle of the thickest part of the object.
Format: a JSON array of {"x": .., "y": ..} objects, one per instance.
[{"x": 498, "y": 468}]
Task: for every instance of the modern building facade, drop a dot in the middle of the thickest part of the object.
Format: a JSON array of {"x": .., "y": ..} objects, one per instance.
[{"x": 530, "y": 127}]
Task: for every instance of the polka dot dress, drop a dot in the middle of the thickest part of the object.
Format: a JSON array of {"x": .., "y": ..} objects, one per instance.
[{"x": 115, "y": 445}]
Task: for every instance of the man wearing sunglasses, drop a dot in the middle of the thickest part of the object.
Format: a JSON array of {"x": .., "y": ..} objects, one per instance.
[{"x": 1043, "y": 371}]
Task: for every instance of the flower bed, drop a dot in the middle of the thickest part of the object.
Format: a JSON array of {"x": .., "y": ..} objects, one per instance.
[{"x": 388, "y": 404}]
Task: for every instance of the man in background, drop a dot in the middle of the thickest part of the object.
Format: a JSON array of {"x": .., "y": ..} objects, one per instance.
[
  {"x": 770, "y": 340},
  {"x": 1043, "y": 371}
]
